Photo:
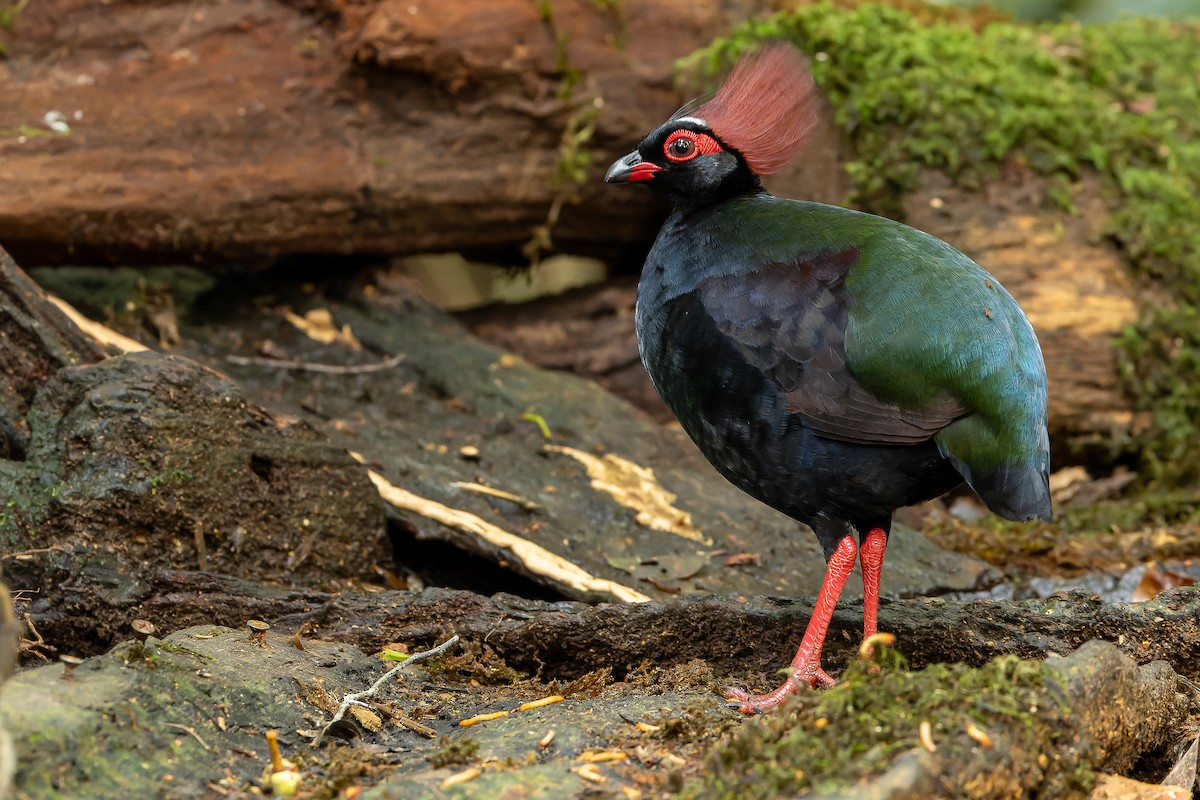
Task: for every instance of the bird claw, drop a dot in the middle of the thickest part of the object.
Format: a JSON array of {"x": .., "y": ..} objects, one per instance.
[
  {"x": 750, "y": 704},
  {"x": 748, "y": 709},
  {"x": 740, "y": 700}
]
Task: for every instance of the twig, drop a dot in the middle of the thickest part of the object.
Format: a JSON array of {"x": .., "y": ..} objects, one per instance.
[
  {"x": 201, "y": 546},
  {"x": 24, "y": 554},
  {"x": 310, "y": 366},
  {"x": 357, "y": 697},
  {"x": 30, "y": 645},
  {"x": 186, "y": 729},
  {"x": 479, "y": 488},
  {"x": 395, "y": 716}
]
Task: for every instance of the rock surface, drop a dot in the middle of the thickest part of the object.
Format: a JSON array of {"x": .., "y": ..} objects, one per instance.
[{"x": 187, "y": 714}]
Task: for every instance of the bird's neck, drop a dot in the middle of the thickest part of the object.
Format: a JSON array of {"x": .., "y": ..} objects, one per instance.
[{"x": 685, "y": 204}]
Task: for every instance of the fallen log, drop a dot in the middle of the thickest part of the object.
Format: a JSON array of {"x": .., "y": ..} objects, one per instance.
[{"x": 568, "y": 639}]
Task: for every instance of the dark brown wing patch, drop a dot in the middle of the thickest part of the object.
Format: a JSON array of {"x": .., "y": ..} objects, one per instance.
[{"x": 789, "y": 321}]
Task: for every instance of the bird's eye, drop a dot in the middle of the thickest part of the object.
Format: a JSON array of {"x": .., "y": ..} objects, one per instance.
[{"x": 684, "y": 145}]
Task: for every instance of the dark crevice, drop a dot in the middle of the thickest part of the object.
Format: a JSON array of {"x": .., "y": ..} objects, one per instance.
[{"x": 439, "y": 563}]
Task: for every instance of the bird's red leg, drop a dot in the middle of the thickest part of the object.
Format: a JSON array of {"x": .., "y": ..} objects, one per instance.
[
  {"x": 870, "y": 555},
  {"x": 806, "y": 666}
]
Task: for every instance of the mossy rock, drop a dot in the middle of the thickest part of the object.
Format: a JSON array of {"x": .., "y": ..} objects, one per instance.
[{"x": 1009, "y": 728}]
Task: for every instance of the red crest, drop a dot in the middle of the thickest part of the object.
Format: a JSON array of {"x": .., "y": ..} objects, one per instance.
[{"x": 766, "y": 108}]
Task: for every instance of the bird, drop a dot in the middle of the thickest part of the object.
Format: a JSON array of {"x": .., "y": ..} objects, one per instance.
[{"x": 833, "y": 364}]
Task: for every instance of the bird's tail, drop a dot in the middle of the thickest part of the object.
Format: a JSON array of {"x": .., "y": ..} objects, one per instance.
[
  {"x": 1014, "y": 481},
  {"x": 1017, "y": 493}
]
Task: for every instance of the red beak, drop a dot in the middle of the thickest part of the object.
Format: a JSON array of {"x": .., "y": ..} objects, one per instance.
[{"x": 631, "y": 168}]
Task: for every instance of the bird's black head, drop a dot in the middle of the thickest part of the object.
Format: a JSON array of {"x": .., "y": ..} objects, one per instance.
[
  {"x": 684, "y": 159},
  {"x": 752, "y": 126}
]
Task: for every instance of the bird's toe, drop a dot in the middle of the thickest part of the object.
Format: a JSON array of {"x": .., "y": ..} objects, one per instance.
[
  {"x": 735, "y": 694},
  {"x": 739, "y": 700}
]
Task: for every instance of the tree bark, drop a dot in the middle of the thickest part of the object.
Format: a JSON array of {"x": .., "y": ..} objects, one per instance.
[{"x": 36, "y": 340}]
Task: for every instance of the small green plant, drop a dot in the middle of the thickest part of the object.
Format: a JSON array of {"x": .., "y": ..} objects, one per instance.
[
  {"x": 574, "y": 152},
  {"x": 574, "y": 158},
  {"x": 28, "y": 131},
  {"x": 453, "y": 752},
  {"x": 9, "y": 13}
]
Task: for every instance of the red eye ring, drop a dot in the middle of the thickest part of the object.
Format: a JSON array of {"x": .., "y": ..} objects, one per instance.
[{"x": 684, "y": 145}]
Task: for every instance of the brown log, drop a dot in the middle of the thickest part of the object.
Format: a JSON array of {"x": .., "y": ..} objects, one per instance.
[
  {"x": 36, "y": 340},
  {"x": 569, "y": 639},
  {"x": 259, "y": 129}
]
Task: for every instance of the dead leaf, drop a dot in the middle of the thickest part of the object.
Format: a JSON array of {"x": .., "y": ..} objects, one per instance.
[
  {"x": 665, "y": 588},
  {"x": 671, "y": 566},
  {"x": 1066, "y": 482},
  {"x": 318, "y": 324},
  {"x": 1157, "y": 578},
  {"x": 743, "y": 560}
]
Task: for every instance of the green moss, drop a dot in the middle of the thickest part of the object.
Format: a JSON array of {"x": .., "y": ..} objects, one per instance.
[
  {"x": 1100, "y": 535},
  {"x": 453, "y": 752},
  {"x": 918, "y": 88},
  {"x": 826, "y": 741},
  {"x": 28, "y": 131},
  {"x": 9, "y": 13}
]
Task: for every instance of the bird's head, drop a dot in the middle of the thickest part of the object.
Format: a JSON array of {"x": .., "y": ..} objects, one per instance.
[{"x": 755, "y": 123}]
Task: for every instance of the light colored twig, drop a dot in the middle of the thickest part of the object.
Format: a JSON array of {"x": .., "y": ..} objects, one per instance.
[
  {"x": 356, "y": 698},
  {"x": 186, "y": 729},
  {"x": 309, "y": 366},
  {"x": 479, "y": 488},
  {"x": 26, "y": 554}
]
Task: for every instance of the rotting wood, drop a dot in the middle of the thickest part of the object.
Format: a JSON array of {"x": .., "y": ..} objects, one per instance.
[
  {"x": 36, "y": 340},
  {"x": 569, "y": 639},
  {"x": 636, "y": 488},
  {"x": 536, "y": 559}
]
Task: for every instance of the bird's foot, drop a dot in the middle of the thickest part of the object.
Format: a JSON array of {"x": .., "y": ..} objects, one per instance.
[{"x": 751, "y": 704}]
